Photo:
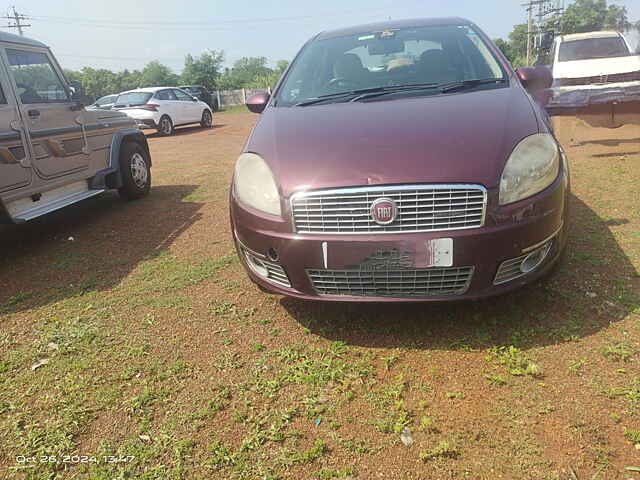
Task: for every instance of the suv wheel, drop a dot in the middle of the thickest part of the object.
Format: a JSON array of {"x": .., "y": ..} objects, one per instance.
[
  {"x": 135, "y": 171},
  {"x": 206, "y": 121},
  {"x": 165, "y": 126}
]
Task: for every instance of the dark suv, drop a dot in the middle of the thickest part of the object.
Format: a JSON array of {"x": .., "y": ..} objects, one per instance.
[{"x": 203, "y": 94}]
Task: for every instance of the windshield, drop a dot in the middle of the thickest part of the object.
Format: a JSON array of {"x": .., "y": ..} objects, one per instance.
[
  {"x": 586, "y": 48},
  {"x": 133, "y": 98},
  {"x": 390, "y": 58}
]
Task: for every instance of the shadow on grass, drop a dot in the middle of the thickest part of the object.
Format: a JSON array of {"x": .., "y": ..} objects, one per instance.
[
  {"x": 188, "y": 130},
  {"x": 594, "y": 285},
  {"x": 89, "y": 246}
]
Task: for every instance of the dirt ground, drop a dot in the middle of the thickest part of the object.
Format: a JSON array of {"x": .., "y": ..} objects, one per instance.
[{"x": 163, "y": 361}]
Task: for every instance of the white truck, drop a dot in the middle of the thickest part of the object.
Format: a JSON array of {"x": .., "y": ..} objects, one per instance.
[{"x": 594, "y": 72}]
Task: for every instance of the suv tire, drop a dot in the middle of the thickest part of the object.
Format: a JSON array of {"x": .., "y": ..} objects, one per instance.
[{"x": 135, "y": 171}]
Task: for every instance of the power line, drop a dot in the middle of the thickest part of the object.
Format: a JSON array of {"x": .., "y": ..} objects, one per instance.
[
  {"x": 146, "y": 24},
  {"x": 17, "y": 17}
]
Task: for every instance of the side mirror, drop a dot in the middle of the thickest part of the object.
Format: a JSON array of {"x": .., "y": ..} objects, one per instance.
[
  {"x": 535, "y": 78},
  {"x": 77, "y": 93},
  {"x": 258, "y": 102},
  {"x": 194, "y": 99}
]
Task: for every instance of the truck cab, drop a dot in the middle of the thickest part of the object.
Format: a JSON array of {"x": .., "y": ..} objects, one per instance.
[
  {"x": 54, "y": 152},
  {"x": 594, "y": 58}
]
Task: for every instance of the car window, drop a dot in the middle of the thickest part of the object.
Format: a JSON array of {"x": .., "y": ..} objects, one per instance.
[
  {"x": 3, "y": 99},
  {"x": 133, "y": 98},
  {"x": 180, "y": 95},
  {"x": 390, "y": 58},
  {"x": 587, "y": 48},
  {"x": 165, "y": 95},
  {"x": 36, "y": 80},
  {"x": 106, "y": 100}
]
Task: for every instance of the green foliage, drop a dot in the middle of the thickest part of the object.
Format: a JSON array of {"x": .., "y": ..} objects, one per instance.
[
  {"x": 203, "y": 70},
  {"x": 514, "y": 361},
  {"x": 251, "y": 72},
  {"x": 442, "y": 450},
  {"x": 155, "y": 74},
  {"x": 592, "y": 15},
  {"x": 632, "y": 435}
]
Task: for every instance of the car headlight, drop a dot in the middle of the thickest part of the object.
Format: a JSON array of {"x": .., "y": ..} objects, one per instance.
[
  {"x": 254, "y": 184},
  {"x": 532, "y": 166}
]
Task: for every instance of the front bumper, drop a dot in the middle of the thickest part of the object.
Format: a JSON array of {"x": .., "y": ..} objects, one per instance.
[{"x": 509, "y": 232}]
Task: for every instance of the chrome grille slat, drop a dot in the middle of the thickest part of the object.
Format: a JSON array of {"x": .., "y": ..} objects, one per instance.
[
  {"x": 400, "y": 283},
  {"x": 420, "y": 208}
]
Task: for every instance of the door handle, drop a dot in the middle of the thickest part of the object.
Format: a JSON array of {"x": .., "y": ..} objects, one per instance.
[{"x": 33, "y": 113}]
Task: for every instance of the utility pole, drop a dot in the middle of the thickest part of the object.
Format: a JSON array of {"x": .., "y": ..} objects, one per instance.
[
  {"x": 17, "y": 17},
  {"x": 529, "y": 31}
]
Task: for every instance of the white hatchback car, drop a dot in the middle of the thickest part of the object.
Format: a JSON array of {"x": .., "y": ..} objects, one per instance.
[{"x": 163, "y": 108}]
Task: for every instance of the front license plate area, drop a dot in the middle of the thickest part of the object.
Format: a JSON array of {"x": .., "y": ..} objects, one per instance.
[{"x": 439, "y": 252}]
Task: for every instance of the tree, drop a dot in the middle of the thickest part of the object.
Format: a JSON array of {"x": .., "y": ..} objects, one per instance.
[
  {"x": 245, "y": 72},
  {"x": 203, "y": 70},
  {"x": 155, "y": 74},
  {"x": 270, "y": 79},
  {"x": 504, "y": 47},
  {"x": 591, "y": 15}
]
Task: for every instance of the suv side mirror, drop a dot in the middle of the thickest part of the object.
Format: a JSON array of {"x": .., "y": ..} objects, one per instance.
[
  {"x": 535, "y": 78},
  {"x": 77, "y": 93},
  {"x": 258, "y": 102}
]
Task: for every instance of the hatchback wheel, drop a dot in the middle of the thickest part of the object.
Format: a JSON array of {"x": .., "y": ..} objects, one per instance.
[
  {"x": 165, "y": 126},
  {"x": 206, "y": 121},
  {"x": 135, "y": 170}
]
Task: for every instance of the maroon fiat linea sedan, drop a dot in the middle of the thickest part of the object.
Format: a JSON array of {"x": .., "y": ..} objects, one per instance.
[{"x": 400, "y": 161}]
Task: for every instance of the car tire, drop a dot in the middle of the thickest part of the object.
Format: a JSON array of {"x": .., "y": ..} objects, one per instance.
[
  {"x": 135, "y": 171},
  {"x": 207, "y": 119},
  {"x": 165, "y": 126}
]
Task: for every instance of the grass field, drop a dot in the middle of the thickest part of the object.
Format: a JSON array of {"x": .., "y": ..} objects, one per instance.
[{"x": 133, "y": 346}]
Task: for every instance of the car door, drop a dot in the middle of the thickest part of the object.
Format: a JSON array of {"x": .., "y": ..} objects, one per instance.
[
  {"x": 15, "y": 158},
  {"x": 168, "y": 103},
  {"x": 188, "y": 107},
  {"x": 53, "y": 122}
]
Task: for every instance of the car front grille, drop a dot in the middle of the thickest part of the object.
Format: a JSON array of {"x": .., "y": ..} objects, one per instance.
[
  {"x": 601, "y": 79},
  {"x": 399, "y": 283},
  {"x": 421, "y": 208}
]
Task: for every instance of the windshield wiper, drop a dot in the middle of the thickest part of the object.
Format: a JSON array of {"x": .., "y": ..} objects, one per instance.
[
  {"x": 365, "y": 93},
  {"x": 466, "y": 84}
]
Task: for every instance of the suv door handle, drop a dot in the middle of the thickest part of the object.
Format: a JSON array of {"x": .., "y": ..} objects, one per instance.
[{"x": 34, "y": 113}]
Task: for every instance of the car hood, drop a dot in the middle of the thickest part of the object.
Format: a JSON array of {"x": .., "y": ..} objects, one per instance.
[
  {"x": 454, "y": 138},
  {"x": 596, "y": 66}
]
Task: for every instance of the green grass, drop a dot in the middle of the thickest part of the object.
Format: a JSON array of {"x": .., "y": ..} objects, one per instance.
[{"x": 232, "y": 110}]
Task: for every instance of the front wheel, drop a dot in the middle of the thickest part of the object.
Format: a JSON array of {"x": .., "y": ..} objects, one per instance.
[
  {"x": 206, "y": 120},
  {"x": 135, "y": 171}
]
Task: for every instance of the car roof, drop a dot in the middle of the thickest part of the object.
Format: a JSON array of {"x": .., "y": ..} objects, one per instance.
[
  {"x": 147, "y": 89},
  {"x": 19, "y": 39},
  {"x": 392, "y": 24},
  {"x": 582, "y": 36}
]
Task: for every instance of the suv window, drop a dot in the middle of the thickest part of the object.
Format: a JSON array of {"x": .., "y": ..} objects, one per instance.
[
  {"x": 180, "y": 95},
  {"x": 165, "y": 95},
  {"x": 36, "y": 80}
]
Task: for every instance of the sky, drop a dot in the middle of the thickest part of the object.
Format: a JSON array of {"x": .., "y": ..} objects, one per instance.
[{"x": 119, "y": 34}]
